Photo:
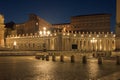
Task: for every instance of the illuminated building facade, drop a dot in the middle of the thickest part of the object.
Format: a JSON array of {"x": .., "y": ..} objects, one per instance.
[
  {"x": 63, "y": 41},
  {"x": 118, "y": 24},
  {"x": 84, "y": 23},
  {"x": 87, "y": 23},
  {"x": 33, "y": 25},
  {"x": 86, "y": 35},
  {"x": 2, "y": 29},
  {"x": 91, "y": 23}
]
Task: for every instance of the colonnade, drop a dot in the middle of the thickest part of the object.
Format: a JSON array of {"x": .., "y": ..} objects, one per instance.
[
  {"x": 89, "y": 44},
  {"x": 64, "y": 41}
]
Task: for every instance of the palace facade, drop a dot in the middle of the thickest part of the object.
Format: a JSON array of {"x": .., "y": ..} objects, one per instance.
[
  {"x": 87, "y": 23},
  {"x": 2, "y": 30},
  {"x": 33, "y": 25},
  {"x": 117, "y": 24},
  {"x": 83, "y": 33},
  {"x": 63, "y": 41},
  {"x": 83, "y": 23}
]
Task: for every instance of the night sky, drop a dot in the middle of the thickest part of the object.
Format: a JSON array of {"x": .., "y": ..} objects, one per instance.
[{"x": 55, "y": 11}]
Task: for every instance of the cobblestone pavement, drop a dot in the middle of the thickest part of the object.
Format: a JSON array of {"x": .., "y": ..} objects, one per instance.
[{"x": 114, "y": 76}]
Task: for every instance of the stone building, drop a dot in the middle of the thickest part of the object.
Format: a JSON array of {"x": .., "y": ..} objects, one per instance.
[
  {"x": 84, "y": 33},
  {"x": 63, "y": 41},
  {"x": 87, "y": 23},
  {"x": 63, "y": 27},
  {"x": 33, "y": 25},
  {"x": 83, "y": 23},
  {"x": 118, "y": 24},
  {"x": 91, "y": 23},
  {"x": 2, "y": 29}
]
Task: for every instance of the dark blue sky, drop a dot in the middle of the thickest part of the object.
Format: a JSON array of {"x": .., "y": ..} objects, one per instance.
[{"x": 55, "y": 11}]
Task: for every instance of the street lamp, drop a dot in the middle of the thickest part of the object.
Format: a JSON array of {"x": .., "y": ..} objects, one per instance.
[{"x": 44, "y": 33}]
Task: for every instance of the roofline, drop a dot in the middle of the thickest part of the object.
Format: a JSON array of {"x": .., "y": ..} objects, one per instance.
[
  {"x": 93, "y": 14},
  {"x": 61, "y": 24}
]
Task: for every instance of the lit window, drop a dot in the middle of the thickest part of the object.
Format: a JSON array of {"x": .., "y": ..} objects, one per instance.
[
  {"x": 105, "y": 35},
  {"x": 97, "y": 35},
  {"x": 114, "y": 35},
  {"x": 36, "y": 23},
  {"x": 74, "y": 35}
]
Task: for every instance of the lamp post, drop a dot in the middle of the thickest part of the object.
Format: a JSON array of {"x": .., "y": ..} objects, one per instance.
[{"x": 44, "y": 33}]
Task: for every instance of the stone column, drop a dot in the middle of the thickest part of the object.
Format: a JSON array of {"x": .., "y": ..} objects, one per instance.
[
  {"x": 110, "y": 44},
  {"x": 52, "y": 43},
  {"x": 98, "y": 44},
  {"x": 78, "y": 44},
  {"x": 49, "y": 44},
  {"x": 67, "y": 44},
  {"x": 82, "y": 45},
  {"x": 56, "y": 45},
  {"x": 70, "y": 43},
  {"x": 87, "y": 47},
  {"x": 60, "y": 41},
  {"x": 114, "y": 44},
  {"x": 103, "y": 44},
  {"x": 63, "y": 43},
  {"x": 2, "y": 30}
]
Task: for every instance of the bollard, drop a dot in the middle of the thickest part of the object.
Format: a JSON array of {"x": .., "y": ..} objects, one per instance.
[
  {"x": 53, "y": 58},
  {"x": 93, "y": 55},
  {"x": 47, "y": 57},
  {"x": 100, "y": 60},
  {"x": 118, "y": 60},
  {"x": 72, "y": 59},
  {"x": 84, "y": 60},
  {"x": 37, "y": 57},
  {"x": 42, "y": 57},
  {"x": 62, "y": 58}
]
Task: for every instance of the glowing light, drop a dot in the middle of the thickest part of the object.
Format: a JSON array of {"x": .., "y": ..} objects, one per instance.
[
  {"x": 44, "y": 32},
  {"x": 114, "y": 35},
  {"x": 100, "y": 47},
  {"x": 63, "y": 33},
  {"x": 37, "y": 23},
  {"x": 74, "y": 35},
  {"x": 40, "y": 32},
  {"x": 93, "y": 40},
  {"x": 44, "y": 28},
  {"x": 48, "y": 32},
  {"x": 105, "y": 35},
  {"x": 89, "y": 35},
  {"x": 14, "y": 43},
  {"x": 68, "y": 34},
  {"x": 55, "y": 34},
  {"x": 81, "y": 35},
  {"x": 97, "y": 35}
]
